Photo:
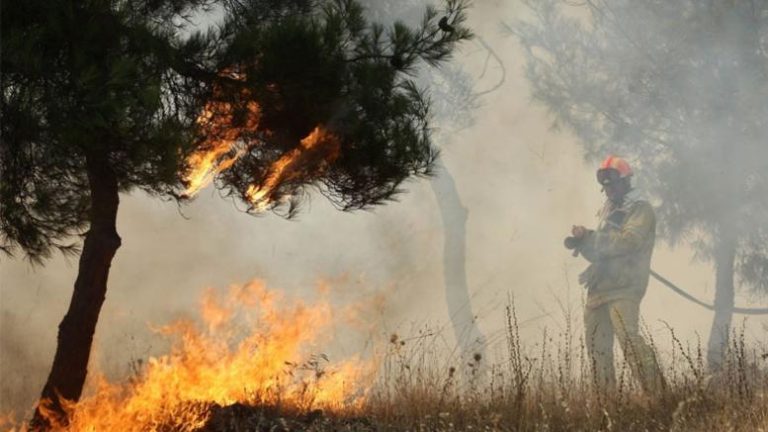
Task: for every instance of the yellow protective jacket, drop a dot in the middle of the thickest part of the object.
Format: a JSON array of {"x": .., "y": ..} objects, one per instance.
[{"x": 619, "y": 252}]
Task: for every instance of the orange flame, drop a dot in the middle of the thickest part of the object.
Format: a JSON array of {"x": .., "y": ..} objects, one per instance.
[
  {"x": 280, "y": 171},
  {"x": 207, "y": 163},
  {"x": 221, "y": 140},
  {"x": 252, "y": 348},
  {"x": 220, "y": 150}
]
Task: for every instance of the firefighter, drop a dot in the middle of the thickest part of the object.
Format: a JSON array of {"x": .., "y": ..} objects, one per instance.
[{"x": 619, "y": 252}]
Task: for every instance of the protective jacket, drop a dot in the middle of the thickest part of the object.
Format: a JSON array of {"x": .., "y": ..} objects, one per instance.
[{"x": 619, "y": 252}]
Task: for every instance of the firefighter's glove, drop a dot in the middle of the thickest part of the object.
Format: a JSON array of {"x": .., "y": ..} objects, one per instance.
[{"x": 571, "y": 243}]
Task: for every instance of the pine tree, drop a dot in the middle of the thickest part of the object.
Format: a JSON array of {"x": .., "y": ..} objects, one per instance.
[{"x": 101, "y": 97}]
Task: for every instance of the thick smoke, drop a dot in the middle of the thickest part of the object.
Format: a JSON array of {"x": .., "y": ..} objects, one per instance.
[{"x": 523, "y": 184}]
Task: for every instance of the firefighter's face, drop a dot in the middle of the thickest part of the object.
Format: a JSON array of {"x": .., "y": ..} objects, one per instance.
[{"x": 616, "y": 190}]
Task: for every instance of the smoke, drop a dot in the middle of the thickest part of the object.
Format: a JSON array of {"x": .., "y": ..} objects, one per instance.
[{"x": 523, "y": 183}]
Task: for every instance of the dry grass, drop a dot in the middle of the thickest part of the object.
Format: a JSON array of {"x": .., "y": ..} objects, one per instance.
[
  {"x": 550, "y": 390},
  {"x": 546, "y": 390},
  {"x": 542, "y": 388}
]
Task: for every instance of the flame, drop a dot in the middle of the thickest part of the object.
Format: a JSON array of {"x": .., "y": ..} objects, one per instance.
[
  {"x": 254, "y": 347},
  {"x": 221, "y": 139},
  {"x": 222, "y": 147},
  {"x": 280, "y": 170}
]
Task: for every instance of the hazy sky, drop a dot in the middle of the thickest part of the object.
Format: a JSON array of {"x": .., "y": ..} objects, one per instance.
[{"x": 524, "y": 186}]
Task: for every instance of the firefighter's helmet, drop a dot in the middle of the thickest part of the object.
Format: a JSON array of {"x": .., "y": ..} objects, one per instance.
[{"x": 613, "y": 169}]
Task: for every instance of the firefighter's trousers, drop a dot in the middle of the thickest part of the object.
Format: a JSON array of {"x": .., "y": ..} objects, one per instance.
[{"x": 620, "y": 319}]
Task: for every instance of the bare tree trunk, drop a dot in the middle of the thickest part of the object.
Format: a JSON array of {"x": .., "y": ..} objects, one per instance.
[
  {"x": 70, "y": 364},
  {"x": 725, "y": 254},
  {"x": 471, "y": 341}
]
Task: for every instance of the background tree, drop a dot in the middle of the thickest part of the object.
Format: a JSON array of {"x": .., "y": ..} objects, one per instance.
[
  {"x": 454, "y": 96},
  {"x": 101, "y": 97},
  {"x": 680, "y": 88}
]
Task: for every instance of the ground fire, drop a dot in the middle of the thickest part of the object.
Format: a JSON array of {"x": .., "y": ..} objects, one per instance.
[{"x": 253, "y": 346}]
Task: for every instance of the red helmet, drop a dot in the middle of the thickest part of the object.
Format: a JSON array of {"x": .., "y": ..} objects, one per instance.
[{"x": 612, "y": 169}]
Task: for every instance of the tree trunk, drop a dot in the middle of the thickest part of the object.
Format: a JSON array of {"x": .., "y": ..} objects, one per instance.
[
  {"x": 725, "y": 254},
  {"x": 70, "y": 364},
  {"x": 468, "y": 336}
]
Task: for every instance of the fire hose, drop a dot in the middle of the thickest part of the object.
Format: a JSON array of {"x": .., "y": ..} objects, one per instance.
[
  {"x": 573, "y": 243},
  {"x": 678, "y": 290}
]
